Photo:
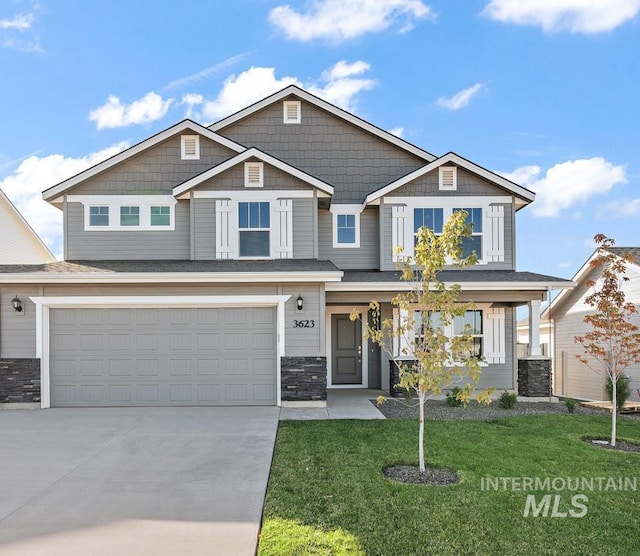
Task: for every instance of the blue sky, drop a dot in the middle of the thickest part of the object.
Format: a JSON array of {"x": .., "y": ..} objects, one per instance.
[{"x": 546, "y": 93}]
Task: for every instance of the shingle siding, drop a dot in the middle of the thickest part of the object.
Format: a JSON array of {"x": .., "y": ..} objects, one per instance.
[
  {"x": 155, "y": 171},
  {"x": 119, "y": 245},
  {"x": 353, "y": 160},
  {"x": 428, "y": 186},
  {"x": 233, "y": 180}
]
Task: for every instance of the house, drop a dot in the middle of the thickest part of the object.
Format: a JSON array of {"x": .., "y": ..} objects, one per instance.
[
  {"x": 218, "y": 265},
  {"x": 19, "y": 244},
  {"x": 567, "y": 312}
]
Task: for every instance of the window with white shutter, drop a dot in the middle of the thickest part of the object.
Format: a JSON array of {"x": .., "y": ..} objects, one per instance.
[
  {"x": 253, "y": 174},
  {"x": 292, "y": 112},
  {"x": 448, "y": 178},
  {"x": 190, "y": 147},
  {"x": 401, "y": 232}
]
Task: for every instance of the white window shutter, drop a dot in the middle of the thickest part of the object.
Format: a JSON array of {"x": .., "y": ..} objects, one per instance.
[
  {"x": 282, "y": 232},
  {"x": 401, "y": 232},
  {"x": 494, "y": 335},
  {"x": 401, "y": 346},
  {"x": 225, "y": 229},
  {"x": 493, "y": 239}
]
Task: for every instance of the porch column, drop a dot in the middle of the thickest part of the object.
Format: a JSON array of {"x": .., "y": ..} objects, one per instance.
[{"x": 534, "y": 328}]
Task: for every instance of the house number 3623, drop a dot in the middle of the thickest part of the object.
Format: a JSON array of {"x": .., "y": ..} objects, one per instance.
[{"x": 304, "y": 323}]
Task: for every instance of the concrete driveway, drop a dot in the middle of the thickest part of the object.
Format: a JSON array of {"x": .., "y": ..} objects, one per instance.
[{"x": 135, "y": 481}]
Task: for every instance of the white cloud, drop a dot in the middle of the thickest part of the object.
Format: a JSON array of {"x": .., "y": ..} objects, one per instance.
[
  {"x": 568, "y": 183},
  {"x": 113, "y": 113},
  {"x": 461, "y": 99},
  {"x": 398, "y": 131},
  {"x": 576, "y": 16},
  {"x": 337, "y": 20},
  {"x": 205, "y": 73},
  {"x": 35, "y": 174},
  {"x": 629, "y": 207},
  {"x": 339, "y": 85},
  {"x": 20, "y": 22}
]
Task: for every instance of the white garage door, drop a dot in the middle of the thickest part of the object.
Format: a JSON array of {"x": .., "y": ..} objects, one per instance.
[{"x": 169, "y": 356}]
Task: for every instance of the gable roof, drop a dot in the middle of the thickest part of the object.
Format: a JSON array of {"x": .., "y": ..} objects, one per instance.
[
  {"x": 586, "y": 268},
  {"x": 323, "y": 104},
  {"x": 19, "y": 243},
  {"x": 251, "y": 153},
  {"x": 525, "y": 195},
  {"x": 63, "y": 187}
]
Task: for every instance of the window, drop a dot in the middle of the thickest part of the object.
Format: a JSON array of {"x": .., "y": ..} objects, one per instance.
[
  {"x": 253, "y": 174},
  {"x": 448, "y": 178},
  {"x": 291, "y": 111},
  {"x": 160, "y": 216},
  {"x": 129, "y": 216},
  {"x": 432, "y": 218},
  {"x": 473, "y": 243},
  {"x": 254, "y": 229},
  {"x": 346, "y": 228},
  {"x": 98, "y": 216},
  {"x": 472, "y": 321},
  {"x": 190, "y": 147}
]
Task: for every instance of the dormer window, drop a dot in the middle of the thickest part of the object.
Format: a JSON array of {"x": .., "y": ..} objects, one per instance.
[
  {"x": 190, "y": 147},
  {"x": 448, "y": 178},
  {"x": 253, "y": 174},
  {"x": 292, "y": 112}
]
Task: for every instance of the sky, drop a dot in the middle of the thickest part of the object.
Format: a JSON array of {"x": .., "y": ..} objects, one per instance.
[{"x": 544, "y": 92}]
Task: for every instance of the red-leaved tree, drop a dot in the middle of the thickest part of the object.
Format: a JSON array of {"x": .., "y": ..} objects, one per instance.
[{"x": 613, "y": 343}]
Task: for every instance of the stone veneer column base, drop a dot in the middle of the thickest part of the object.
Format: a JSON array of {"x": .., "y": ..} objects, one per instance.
[
  {"x": 534, "y": 377},
  {"x": 303, "y": 379},
  {"x": 19, "y": 381}
]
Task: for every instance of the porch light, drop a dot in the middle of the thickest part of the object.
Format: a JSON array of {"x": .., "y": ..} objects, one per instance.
[
  {"x": 300, "y": 302},
  {"x": 16, "y": 303}
]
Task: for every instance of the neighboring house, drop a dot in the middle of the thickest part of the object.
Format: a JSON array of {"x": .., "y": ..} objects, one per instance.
[
  {"x": 19, "y": 244},
  {"x": 218, "y": 265},
  {"x": 567, "y": 311}
]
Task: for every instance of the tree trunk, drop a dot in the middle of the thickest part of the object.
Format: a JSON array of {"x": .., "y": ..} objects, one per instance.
[
  {"x": 614, "y": 407},
  {"x": 421, "y": 399}
]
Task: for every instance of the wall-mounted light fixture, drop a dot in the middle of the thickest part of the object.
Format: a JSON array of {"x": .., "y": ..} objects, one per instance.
[
  {"x": 300, "y": 303},
  {"x": 16, "y": 303}
]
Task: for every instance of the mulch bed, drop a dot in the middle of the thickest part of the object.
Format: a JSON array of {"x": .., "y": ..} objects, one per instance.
[{"x": 621, "y": 445}]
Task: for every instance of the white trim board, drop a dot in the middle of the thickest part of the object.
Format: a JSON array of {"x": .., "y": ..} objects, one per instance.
[{"x": 45, "y": 304}]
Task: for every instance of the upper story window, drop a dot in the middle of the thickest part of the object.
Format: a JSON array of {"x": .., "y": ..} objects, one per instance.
[
  {"x": 346, "y": 225},
  {"x": 160, "y": 216},
  {"x": 137, "y": 213},
  {"x": 129, "y": 216},
  {"x": 472, "y": 243},
  {"x": 253, "y": 174},
  {"x": 448, "y": 178},
  {"x": 346, "y": 228},
  {"x": 190, "y": 147},
  {"x": 98, "y": 216},
  {"x": 292, "y": 111},
  {"x": 254, "y": 227},
  {"x": 432, "y": 218}
]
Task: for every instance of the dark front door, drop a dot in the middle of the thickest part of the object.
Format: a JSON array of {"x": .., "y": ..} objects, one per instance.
[{"x": 346, "y": 346}]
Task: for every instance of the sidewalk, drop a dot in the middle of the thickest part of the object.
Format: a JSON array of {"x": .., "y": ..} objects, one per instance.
[{"x": 341, "y": 404}]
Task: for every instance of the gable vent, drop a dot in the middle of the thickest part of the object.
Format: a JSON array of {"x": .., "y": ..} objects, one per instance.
[
  {"x": 292, "y": 111},
  {"x": 190, "y": 147},
  {"x": 448, "y": 178},
  {"x": 253, "y": 174}
]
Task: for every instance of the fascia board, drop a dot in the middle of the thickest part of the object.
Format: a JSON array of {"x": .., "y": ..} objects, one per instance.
[
  {"x": 170, "y": 278},
  {"x": 62, "y": 187},
  {"x": 251, "y": 153},
  {"x": 465, "y": 286},
  {"x": 525, "y": 194},
  {"x": 308, "y": 97}
]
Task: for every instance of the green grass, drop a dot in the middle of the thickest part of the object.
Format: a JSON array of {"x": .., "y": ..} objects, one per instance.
[{"x": 327, "y": 494}]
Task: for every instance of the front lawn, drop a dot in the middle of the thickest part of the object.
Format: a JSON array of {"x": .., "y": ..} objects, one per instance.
[{"x": 327, "y": 494}]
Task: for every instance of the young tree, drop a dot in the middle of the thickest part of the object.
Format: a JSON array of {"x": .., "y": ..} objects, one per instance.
[
  {"x": 426, "y": 315},
  {"x": 613, "y": 343}
]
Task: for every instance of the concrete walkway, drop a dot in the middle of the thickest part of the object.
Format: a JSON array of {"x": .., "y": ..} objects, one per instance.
[
  {"x": 134, "y": 481},
  {"x": 341, "y": 404}
]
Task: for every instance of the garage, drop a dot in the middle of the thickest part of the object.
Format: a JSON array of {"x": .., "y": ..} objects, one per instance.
[{"x": 172, "y": 356}]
